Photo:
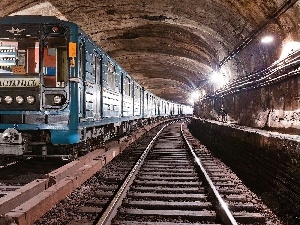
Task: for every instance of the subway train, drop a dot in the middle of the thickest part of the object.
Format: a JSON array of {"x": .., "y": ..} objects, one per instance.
[{"x": 62, "y": 95}]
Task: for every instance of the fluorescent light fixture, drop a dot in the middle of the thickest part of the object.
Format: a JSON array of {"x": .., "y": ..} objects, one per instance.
[
  {"x": 267, "y": 39},
  {"x": 218, "y": 78},
  {"x": 194, "y": 96},
  {"x": 289, "y": 48}
]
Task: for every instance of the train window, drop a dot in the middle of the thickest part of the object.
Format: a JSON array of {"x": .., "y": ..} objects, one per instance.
[
  {"x": 98, "y": 70},
  {"x": 111, "y": 76},
  {"x": 81, "y": 49},
  {"x": 118, "y": 83},
  {"x": 127, "y": 86},
  {"x": 55, "y": 63},
  {"x": 19, "y": 56},
  {"x": 137, "y": 92},
  {"x": 147, "y": 99}
]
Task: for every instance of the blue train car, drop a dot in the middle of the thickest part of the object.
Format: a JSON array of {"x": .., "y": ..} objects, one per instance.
[{"x": 61, "y": 93}]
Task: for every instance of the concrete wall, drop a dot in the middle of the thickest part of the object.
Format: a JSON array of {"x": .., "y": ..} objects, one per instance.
[
  {"x": 267, "y": 162},
  {"x": 273, "y": 107}
]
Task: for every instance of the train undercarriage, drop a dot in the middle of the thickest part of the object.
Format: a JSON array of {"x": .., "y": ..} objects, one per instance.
[{"x": 38, "y": 143}]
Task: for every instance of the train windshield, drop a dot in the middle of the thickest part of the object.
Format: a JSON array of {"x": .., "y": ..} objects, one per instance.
[
  {"x": 19, "y": 56},
  {"x": 34, "y": 51}
]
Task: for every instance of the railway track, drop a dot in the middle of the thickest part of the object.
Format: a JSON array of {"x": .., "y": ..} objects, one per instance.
[
  {"x": 30, "y": 188},
  {"x": 17, "y": 173},
  {"x": 171, "y": 184},
  {"x": 159, "y": 185}
]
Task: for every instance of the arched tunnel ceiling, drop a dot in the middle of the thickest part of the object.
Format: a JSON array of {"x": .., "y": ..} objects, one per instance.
[{"x": 168, "y": 46}]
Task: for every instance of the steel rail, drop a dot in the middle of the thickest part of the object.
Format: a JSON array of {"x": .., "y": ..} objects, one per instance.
[
  {"x": 111, "y": 211},
  {"x": 222, "y": 207}
]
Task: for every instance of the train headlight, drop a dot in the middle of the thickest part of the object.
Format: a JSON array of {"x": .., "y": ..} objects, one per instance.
[
  {"x": 54, "y": 100},
  {"x": 0, "y": 99},
  {"x": 8, "y": 99},
  {"x": 19, "y": 99},
  {"x": 57, "y": 99},
  {"x": 30, "y": 99}
]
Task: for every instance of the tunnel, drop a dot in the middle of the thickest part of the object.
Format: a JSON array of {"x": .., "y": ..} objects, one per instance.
[{"x": 235, "y": 62}]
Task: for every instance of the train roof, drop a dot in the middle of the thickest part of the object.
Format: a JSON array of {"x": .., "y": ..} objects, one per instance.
[{"x": 19, "y": 19}]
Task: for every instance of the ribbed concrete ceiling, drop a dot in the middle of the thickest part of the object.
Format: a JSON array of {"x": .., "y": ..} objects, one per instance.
[{"x": 169, "y": 46}]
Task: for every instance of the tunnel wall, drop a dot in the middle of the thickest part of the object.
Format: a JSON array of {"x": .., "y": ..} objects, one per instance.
[
  {"x": 275, "y": 107},
  {"x": 267, "y": 162}
]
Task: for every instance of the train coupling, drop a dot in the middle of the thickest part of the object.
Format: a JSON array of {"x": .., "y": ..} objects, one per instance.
[{"x": 11, "y": 142}]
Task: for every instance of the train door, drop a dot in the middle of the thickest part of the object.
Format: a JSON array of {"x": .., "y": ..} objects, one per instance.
[
  {"x": 88, "y": 77},
  {"x": 80, "y": 75},
  {"x": 128, "y": 96},
  {"x": 156, "y": 107},
  {"x": 55, "y": 64},
  {"x": 111, "y": 90},
  {"x": 122, "y": 93},
  {"x": 150, "y": 105},
  {"x": 98, "y": 90},
  {"x": 133, "y": 97},
  {"x": 145, "y": 104},
  {"x": 118, "y": 92},
  {"x": 137, "y": 100},
  {"x": 62, "y": 69}
]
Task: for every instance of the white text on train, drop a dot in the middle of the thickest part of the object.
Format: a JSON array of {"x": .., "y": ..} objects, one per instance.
[{"x": 14, "y": 82}]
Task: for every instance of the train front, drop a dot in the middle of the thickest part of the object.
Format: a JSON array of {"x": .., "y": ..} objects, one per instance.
[{"x": 34, "y": 90}]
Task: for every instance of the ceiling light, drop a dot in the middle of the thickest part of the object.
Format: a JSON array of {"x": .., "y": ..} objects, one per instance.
[
  {"x": 194, "y": 96},
  {"x": 289, "y": 48},
  {"x": 267, "y": 39},
  {"x": 218, "y": 78}
]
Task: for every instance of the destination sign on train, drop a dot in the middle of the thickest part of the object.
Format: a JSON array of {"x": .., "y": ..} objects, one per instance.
[{"x": 19, "y": 82}]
